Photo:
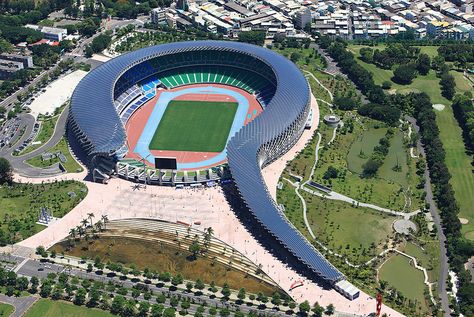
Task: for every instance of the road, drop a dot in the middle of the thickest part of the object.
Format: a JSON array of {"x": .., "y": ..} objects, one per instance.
[
  {"x": 21, "y": 304},
  {"x": 18, "y": 162},
  {"x": 42, "y": 269},
  {"x": 444, "y": 267}
]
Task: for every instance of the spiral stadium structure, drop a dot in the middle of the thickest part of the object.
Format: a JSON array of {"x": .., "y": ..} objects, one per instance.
[{"x": 98, "y": 113}]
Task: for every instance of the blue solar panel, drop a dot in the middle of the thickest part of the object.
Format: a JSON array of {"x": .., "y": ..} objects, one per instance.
[{"x": 257, "y": 144}]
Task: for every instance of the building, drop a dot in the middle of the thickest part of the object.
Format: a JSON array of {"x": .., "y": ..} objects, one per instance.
[
  {"x": 303, "y": 18},
  {"x": 158, "y": 16},
  {"x": 98, "y": 129},
  {"x": 49, "y": 33},
  {"x": 11, "y": 63}
]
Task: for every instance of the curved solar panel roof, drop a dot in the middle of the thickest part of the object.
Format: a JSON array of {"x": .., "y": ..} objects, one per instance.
[{"x": 93, "y": 111}]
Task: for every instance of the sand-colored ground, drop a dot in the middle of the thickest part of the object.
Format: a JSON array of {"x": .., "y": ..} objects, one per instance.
[
  {"x": 120, "y": 200},
  {"x": 57, "y": 93}
]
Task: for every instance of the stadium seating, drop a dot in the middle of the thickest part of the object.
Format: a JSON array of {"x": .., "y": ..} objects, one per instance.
[{"x": 247, "y": 80}]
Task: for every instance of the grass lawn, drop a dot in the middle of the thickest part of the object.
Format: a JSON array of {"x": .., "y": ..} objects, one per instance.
[
  {"x": 20, "y": 204},
  {"x": 50, "y": 308},
  {"x": 6, "y": 310},
  {"x": 71, "y": 165},
  {"x": 397, "y": 156},
  {"x": 343, "y": 154},
  {"x": 458, "y": 161},
  {"x": 340, "y": 226},
  {"x": 460, "y": 166},
  {"x": 194, "y": 126},
  {"x": 398, "y": 272},
  {"x": 425, "y": 257},
  {"x": 163, "y": 257},
  {"x": 363, "y": 147},
  {"x": 462, "y": 84}
]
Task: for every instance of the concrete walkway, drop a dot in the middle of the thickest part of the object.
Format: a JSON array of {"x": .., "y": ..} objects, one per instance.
[{"x": 21, "y": 304}]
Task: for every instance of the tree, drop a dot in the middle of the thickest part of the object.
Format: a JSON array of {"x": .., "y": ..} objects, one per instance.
[
  {"x": 295, "y": 57},
  {"x": 386, "y": 85},
  {"x": 169, "y": 312},
  {"x": 195, "y": 249},
  {"x": 6, "y": 171},
  {"x": 199, "y": 284},
  {"x": 305, "y": 307},
  {"x": 241, "y": 294},
  {"x": 117, "y": 305},
  {"x": 404, "y": 74},
  {"x": 252, "y": 37},
  {"x": 225, "y": 291},
  {"x": 423, "y": 64},
  {"x": 331, "y": 172},
  {"x": 317, "y": 310},
  {"x": 330, "y": 310},
  {"x": 448, "y": 85}
]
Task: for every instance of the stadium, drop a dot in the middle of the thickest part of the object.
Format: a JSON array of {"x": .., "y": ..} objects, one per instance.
[{"x": 198, "y": 112}]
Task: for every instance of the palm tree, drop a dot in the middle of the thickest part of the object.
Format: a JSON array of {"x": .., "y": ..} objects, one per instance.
[
  {"x": 80, "y": 231},
  {"x": 105, "y": 219},
  {"x": 90, "y": 216},
  {"x": 99, "y": 225},
  {"x": 72, "y": 233},
  {"x": 84, "y": 223}
]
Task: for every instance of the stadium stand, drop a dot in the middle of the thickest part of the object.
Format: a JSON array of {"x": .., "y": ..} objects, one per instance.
[{"x": 284, "y": 91}]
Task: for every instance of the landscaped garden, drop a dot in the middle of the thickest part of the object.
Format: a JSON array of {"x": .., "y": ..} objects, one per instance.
[
  {"x": 50, "y": 308},
  {"x": 406, "y": 279},
  {"x": 163, "y": 257},
  {"x": 71, "y": 165},
  {"x": 20, "y": 205}
]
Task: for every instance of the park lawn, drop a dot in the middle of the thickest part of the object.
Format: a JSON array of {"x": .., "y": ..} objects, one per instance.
[
  {"x": 363, "y": 147},
  {"x": 397, "y": 156},
  {"x": 425, "y": 257},
  {"x": 399, "y": 273},
  {"x": 460, "y": 166},
  {"x": 50, "y": 308},
  {"x": 199, "y": 126},
  {"x": 20, "y": 204},
  {"x": 71, "y": 166},
  {"x": 163, "y": 257},
  {"x": 340, "y": 226},
  {"x": 378, "y": 191},
  {"x": 6, "y": 310},
  {"x": 462, "y": 84}
]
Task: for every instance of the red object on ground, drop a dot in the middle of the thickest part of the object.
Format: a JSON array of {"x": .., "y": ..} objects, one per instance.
[
  {"x": 296, "y": 284},
  {"x": 136, "y": 124},
  {"x": 183, "y": 223},
  {"x": 379, "y": 303}
]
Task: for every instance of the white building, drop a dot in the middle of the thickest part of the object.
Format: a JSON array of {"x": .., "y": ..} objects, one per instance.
[{"x": 158, "y": 16}]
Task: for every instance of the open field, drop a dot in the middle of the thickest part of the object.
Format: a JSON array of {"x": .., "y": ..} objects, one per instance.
[
  {"x": 6, "y": 310},
  {"x": 397, "y": 156},
  {"x": 425, "y": 257},
  {"x": 50, "y": 308},
  {"x": 363, "y": 147},
  {"x": 459, "y": 162},
  {"x": 164, "y": 258},
  {"x": 21, "y": 203},
  {"x": 399, "y": 273},
  {"x": 358, "y": 233},
  {"x": 460, "y": 166},
  {"x": 71, "y": 165},
  {"x": 199, "y": 126},
  {"x": 344, "y": 154}
]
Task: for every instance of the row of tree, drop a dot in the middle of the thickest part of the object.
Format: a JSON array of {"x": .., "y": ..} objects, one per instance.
[
  {"x": 459, "y": 249},
  {"x": 380, "y": 108},
  {"x": 457, "y": 52},
  {"x": 463, "y": 108}
]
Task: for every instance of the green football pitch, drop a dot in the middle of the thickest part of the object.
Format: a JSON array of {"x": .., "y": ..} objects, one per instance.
[{"x": 198, "y": 126}]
